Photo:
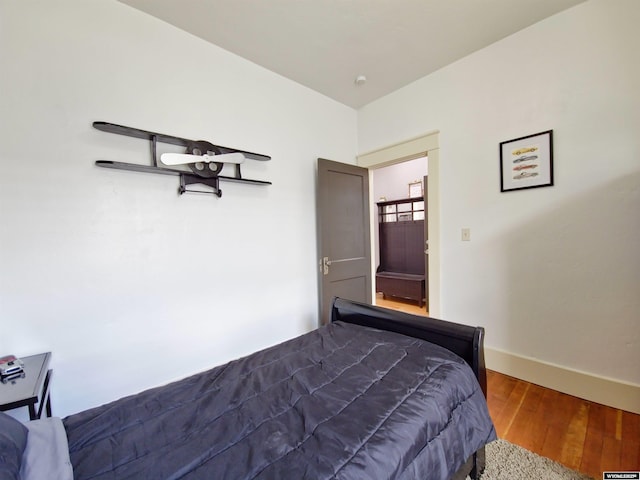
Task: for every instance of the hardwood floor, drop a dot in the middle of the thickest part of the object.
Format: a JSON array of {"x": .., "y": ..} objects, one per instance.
[
  {"x": 579, "y": 434},
  {"x": 582, "y": 435},
  {"x": 400, "y": 304}
]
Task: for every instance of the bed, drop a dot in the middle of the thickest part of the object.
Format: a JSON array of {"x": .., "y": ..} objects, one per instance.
[{"x": 374, "y": 394}]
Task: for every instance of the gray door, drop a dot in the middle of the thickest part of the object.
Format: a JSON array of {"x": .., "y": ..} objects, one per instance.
[{"x": 343, "y": 234}]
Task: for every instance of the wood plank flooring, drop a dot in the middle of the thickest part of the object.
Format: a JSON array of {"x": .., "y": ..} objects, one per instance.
[
  {"x": 579, "y": 434},
  {"x": 400, "y": 304},
  {"x": 582, "y": 435}
]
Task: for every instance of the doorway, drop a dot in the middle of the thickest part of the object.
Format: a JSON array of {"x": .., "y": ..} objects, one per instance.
[
  {"x": 391, "y": 184},
  {"x": 419, "y": 146}
]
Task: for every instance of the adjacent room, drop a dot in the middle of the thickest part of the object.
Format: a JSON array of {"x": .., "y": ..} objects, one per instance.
[
  {"x": 119, "y": 280},
  {"x": 400, "y": 233}
]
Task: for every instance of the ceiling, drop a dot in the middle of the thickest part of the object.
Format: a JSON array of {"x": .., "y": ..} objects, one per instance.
[{"x": 326, "y": 44}]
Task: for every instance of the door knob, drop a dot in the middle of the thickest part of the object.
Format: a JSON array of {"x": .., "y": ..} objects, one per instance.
[{"x": 325, "y": 265}]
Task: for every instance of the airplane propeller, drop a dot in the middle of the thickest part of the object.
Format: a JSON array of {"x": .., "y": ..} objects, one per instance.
[{"x": 187, "y": 158}]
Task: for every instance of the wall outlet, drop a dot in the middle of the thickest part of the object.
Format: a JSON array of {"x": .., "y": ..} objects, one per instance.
[{"x": 466, "y": 234}]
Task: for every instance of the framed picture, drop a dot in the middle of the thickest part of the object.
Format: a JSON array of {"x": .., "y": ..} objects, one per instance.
[
  {"x": 415, "y": 189},
  {"x": 527, "y": 162}
]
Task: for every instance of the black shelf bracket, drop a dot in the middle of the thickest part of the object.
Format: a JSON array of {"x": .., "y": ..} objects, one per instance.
[
  {"x": 197, "y": 175},
  {"x": 213, "y": 182}
]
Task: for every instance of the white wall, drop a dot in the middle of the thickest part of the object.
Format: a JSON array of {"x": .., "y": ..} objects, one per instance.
[
  {"x": 103, "y": 266},
  {"x": 552, "y": 273},
  {"x": 392, "y": 182}
]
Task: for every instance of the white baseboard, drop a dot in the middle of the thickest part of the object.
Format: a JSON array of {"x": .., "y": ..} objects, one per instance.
[{"x": 606, "y": 391}]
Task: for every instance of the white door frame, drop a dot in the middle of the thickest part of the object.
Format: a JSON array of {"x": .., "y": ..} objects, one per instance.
[{"x": 400, "y": 152}]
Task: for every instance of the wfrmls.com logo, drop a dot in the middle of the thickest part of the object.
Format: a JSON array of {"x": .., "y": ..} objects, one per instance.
[{"x": 621, "y": 475}]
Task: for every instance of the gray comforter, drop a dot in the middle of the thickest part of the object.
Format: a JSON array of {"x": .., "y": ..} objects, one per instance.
[{"x": 343, "y": 401}]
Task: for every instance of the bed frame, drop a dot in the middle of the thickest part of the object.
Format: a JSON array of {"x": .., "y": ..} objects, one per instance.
[{"x": 465, "y": 341}]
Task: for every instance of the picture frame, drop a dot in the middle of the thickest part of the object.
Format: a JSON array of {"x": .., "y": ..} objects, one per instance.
[
  {"x": 527, "y": 162},
  {"x": 415, "y": 189}
]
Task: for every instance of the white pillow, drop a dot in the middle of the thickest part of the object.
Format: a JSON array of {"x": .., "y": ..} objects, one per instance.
[{"x": 47, "y": 452}]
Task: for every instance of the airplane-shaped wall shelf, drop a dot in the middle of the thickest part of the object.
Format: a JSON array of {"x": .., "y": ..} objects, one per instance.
[{"x": 203, "y": 158}]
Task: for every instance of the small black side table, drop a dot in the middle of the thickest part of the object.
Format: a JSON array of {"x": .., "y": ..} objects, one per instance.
[{"x": 30, "y": 389}]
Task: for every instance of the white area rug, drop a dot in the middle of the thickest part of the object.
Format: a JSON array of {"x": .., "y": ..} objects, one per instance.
[{"x": 506, "y": 461}]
